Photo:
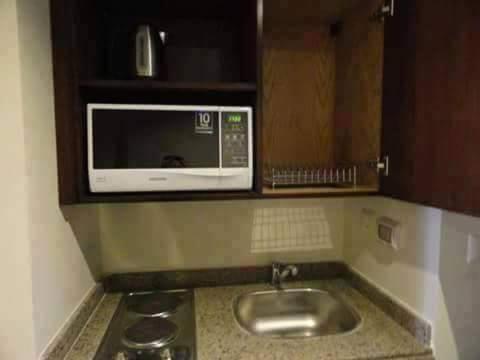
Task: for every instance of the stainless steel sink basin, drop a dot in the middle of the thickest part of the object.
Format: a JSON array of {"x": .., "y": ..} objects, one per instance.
[{"x": 295, "y": 313}]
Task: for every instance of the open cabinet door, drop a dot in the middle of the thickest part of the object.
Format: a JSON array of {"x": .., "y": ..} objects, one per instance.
[{"x": 431, "y": 104}]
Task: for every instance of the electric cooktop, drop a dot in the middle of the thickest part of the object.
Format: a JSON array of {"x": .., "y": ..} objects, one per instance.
[{"x": 152, "y": 326}]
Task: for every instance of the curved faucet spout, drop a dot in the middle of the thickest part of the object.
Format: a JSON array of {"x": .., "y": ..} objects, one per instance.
[{"x": 281, "y": 272}]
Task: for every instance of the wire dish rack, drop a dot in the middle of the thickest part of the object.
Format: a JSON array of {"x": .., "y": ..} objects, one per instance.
[{"x": 278, "y": 177}]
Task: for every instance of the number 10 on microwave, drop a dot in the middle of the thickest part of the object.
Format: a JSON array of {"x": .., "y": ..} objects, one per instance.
[{"x": 204, "y": 123}]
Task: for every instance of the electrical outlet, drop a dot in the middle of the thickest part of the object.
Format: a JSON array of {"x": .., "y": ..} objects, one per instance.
[{"x": 388, "y": 231}]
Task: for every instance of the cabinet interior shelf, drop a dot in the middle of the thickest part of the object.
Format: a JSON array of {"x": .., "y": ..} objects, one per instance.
[{"x": 142, "y": 85}]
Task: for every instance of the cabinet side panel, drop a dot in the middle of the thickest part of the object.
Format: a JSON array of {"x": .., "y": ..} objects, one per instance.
[
  {"x": 432, "y": 104},
  {"x": 398, "y": 133},
  {"x": 463, "y": 147},
  {"x": 432, "y": 112},
  {"x": 258, "y": 118},
  {"x": 62, "y": 15}
]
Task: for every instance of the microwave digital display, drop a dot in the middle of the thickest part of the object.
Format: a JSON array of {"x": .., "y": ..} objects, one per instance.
[{"x": 234, "y": 118}]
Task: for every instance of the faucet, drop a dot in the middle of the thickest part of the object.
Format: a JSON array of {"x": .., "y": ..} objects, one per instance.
[{"x": 280, "y": 272}]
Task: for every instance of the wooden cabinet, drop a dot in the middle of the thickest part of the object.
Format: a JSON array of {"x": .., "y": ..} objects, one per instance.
[
  {"x": 334, "y": 89},
  {"x": 322, "y": 97},
  {"x": 431, "y": 110},
  {"x": 212, "y": 59}
]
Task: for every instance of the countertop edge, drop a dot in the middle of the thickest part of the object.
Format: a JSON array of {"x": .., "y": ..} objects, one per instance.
[{"x": 91, "y": 337}]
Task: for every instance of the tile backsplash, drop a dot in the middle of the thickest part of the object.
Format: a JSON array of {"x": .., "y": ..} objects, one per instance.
[
  {"x": 290, "y": 229},
  {"x": 195, "y": 235}
]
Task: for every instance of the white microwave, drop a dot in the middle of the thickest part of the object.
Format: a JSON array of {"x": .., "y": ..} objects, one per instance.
[{"x": 144, "y": 148}]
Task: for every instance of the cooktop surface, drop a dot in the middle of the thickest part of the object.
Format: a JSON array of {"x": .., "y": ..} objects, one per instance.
[{"x": 151, "y": 326}]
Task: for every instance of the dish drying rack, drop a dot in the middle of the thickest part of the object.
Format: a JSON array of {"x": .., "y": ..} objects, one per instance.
[{"x": 278, "y": 177}]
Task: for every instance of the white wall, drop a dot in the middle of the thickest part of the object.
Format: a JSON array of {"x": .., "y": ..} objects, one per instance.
[
  {"x": 429, "y": 274},
  {"x": 44, "y": 268},
  {"x": 149, "y": 237},
  {"x": 409, "y": 274},
  {"x": 458, "y": 315}
]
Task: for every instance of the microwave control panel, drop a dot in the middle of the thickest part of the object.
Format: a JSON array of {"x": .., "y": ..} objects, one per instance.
[{"x": 235, "y": 139}]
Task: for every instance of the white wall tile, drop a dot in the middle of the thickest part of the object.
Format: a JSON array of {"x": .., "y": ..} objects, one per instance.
[{"x": 141, "y": 237}]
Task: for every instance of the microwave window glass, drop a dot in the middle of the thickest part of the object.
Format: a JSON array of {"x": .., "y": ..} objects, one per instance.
[{"x": 150, "y": 139}]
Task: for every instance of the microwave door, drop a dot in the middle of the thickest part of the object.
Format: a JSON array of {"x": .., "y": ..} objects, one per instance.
[
  {"x": 155, "y": 150},
  {"x": 145, "y": 139}
]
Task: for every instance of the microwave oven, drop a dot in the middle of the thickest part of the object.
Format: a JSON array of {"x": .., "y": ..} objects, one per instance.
[{"x": 144, "y": 148}]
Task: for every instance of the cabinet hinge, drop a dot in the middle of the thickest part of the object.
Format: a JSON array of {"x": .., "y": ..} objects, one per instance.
[
  {"x": 387, "y": 9},
  {"x": 382, "y": 165}
]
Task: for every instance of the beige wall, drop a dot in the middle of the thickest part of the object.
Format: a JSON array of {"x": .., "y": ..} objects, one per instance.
[
  {"x": 16, "y": 309},
  {"x": 46, "y": 276},
  {"x": 148, "y": 237},
  {"x": 429, "y": 274}
]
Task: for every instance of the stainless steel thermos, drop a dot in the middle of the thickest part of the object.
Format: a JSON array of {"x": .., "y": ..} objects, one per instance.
[{"x": 149, "y": 52}]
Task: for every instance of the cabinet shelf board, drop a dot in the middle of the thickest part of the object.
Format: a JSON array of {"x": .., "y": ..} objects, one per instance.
[
  {"x": 167, "y": 196},
  {"x": 319, "y": 191},
  {"x": 148, "y": 85}
]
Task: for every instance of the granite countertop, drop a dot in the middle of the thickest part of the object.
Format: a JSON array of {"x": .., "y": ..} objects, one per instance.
[{"x": 219, "y": 337}]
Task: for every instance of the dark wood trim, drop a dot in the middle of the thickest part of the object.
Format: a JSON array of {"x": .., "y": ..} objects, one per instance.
[
  {"x": 430, "y": 110},
  {"x": 167, "y": 196},
  {"x": 63, "y": 40},
  {"x": 258, "y": 182},
  {"x": 144, "y": 85},
  {"x": 208, "y": 196},
  {"x": 398, "y": 93}
]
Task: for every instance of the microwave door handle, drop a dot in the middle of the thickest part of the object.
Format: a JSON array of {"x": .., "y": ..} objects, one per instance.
[
  {"x": 228, "y": 174},
  {"x": 207, "y": 174}
]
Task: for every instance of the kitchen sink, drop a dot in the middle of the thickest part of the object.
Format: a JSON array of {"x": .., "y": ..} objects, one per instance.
[{"x": 294, "y": 313}]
